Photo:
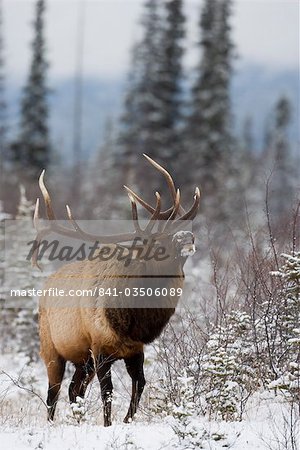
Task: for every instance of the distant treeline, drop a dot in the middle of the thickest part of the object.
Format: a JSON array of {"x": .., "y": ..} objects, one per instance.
[{"x": 194, "y": 139}]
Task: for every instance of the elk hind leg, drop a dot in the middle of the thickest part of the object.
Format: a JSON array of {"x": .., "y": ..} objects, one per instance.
[
  {"x": 135, "y": 368},
  {"x": 55, "y": 369}
]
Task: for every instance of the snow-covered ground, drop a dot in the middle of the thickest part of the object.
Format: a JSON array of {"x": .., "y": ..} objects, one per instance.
[{"x": 23, "y": 424}]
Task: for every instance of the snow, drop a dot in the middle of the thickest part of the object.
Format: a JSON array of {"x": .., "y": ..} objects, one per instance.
[
  {"x": 253, "y": 434},
  {"x": 23, "y": 423},
  {"x": 85, "y": 437}
]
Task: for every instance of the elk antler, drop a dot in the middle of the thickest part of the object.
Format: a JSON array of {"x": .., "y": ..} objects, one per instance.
[{"x": 168, "y": 215}]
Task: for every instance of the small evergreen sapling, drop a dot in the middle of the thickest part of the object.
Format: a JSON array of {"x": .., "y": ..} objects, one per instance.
[
  {"x": 288, "y": 379},
  {"x": 229, "y": 369}
]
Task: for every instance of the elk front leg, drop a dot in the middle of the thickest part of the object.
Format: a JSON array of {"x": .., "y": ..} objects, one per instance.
[
  {"x": 83, "y": 375},
  {"x": 104, "y": 375},
  {"x": 135, "y": 368}
]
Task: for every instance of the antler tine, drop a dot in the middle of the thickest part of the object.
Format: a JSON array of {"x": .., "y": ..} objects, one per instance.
[
  {"x": 139, "y": 199},
  {"x": 165, "y": 174},
  {"x": 72, "y": 220},
  {"x": 39, "y": 236},
  {"x": 168, "y": 178},
  {"x": 155, "y": 215},
  {"x": 175, "y": 210},
  {"x": 47, "y": 199},
  {"x": 36, "y": 224},
  {"x": 162, "y": 215},
  {"x": 54, "y": 226},
  {"x": 36, "y": 215},
  {"x": 191, "y": 214},
  {"x": 176, "y": 206},
  {"x": 134, "y": 213}
]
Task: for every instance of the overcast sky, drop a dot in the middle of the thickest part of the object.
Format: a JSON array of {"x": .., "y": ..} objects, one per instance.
[{"x": 265, "y": 32}]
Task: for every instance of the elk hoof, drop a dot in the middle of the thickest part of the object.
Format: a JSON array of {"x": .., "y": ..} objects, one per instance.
[
  {"x": 127, "y": 419},
  {"x": 107, "y": 423}
]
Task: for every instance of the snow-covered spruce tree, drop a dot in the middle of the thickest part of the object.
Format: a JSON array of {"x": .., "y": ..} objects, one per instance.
[
  {"x": 142, "y": 101},
  {"x": 128, "y": 139},
  {"x": 183, "y": 415},
  {"x": 219, "y": 368},
  {"x": 210, "y": 120},
  {"x": 129, "y": 120},
  {"x": 229, "y": 368},
  {"x": 142, "y": 115},
  {"x": 169, "y": 86},
  {"x": 19, "y": 275},
  {"x": 209, "y": 126},
  {"x": 152, "y": 107},
  {"x": 288, "y": 347},
  {"x": 32, "y": 147}
]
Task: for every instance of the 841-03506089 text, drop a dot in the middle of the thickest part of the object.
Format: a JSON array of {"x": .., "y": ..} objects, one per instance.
[{"x": 141, "y": 292}]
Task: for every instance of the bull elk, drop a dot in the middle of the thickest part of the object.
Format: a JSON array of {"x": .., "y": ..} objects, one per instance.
[{"x": 93, "y": 337}]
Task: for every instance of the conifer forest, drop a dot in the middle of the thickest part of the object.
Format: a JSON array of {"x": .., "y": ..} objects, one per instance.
[{"x": 193, "y": 106}]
